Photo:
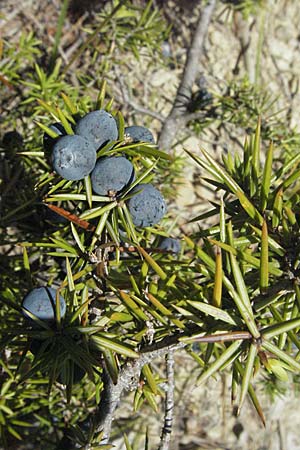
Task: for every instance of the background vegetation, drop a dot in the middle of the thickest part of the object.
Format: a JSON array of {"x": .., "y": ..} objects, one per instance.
[{"x": 149, "y": 329}]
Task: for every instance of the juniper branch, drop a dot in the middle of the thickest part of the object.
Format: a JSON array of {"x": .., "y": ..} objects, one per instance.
[{"x": 128, "y": 380}]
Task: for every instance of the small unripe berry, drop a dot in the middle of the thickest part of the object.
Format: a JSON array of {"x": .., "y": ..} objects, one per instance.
[{"x": 170, "y": 244}]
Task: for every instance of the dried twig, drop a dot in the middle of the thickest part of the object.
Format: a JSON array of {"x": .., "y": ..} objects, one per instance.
[
  {"x": 178, "y": 116},
  {"x": 244, "y": 36},
  {"x": 128, "y": 380},
  {"x": 169, "y": 404}
]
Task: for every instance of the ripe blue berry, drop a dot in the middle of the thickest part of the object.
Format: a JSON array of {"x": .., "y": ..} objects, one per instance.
[
  {"x": 99, "y": 127},
  {"x": 170, "y": 245},
  {"x": 41, "y": 302},
  {"x": 139, "y": 134},
  {"x": 111, "y": 175},
  {"x": 147, "y": 207},
  {"x": 48, "y": 141},
  {"x": 73, "y": 157}
]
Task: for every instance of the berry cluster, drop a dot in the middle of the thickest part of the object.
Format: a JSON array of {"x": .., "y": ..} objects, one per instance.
[{"x": 74, "y": 157}]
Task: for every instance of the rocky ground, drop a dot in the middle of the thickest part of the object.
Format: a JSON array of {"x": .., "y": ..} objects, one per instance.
[{"x": 204, "y": 415}]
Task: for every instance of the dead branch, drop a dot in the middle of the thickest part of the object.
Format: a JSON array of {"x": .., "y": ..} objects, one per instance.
[
  {"x": 178, "y": 116},
  {"x": 169, "y": 404}
]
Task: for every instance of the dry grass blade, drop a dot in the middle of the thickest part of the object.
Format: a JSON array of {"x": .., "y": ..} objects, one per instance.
[{"x": 218, "y": 282}]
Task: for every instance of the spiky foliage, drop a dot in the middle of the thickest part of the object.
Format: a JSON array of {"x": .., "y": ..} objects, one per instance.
[
  {"x": 230, "y": 299},
  {"x": 252, "y": 261},
  {"x": 233, "y": 290}
]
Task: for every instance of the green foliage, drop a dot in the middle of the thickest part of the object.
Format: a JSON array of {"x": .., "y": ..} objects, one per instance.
[
  {"x": 119, "y": 27},
  {"x": 239, "y": 106},
  {"x": 230, "y": 297},
  {"x": 262, "y": 234},
  {"x": 83, "y": 257},
  {"x": 254, "y": 321},
  {"x": 239, "y": 304},
  {"x": 14, "y": 61}
]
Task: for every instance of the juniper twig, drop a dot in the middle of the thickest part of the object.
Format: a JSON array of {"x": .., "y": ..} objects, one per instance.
[
  {"x": 128, "y": 380},
  {"x": 165, "y": 438}
]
